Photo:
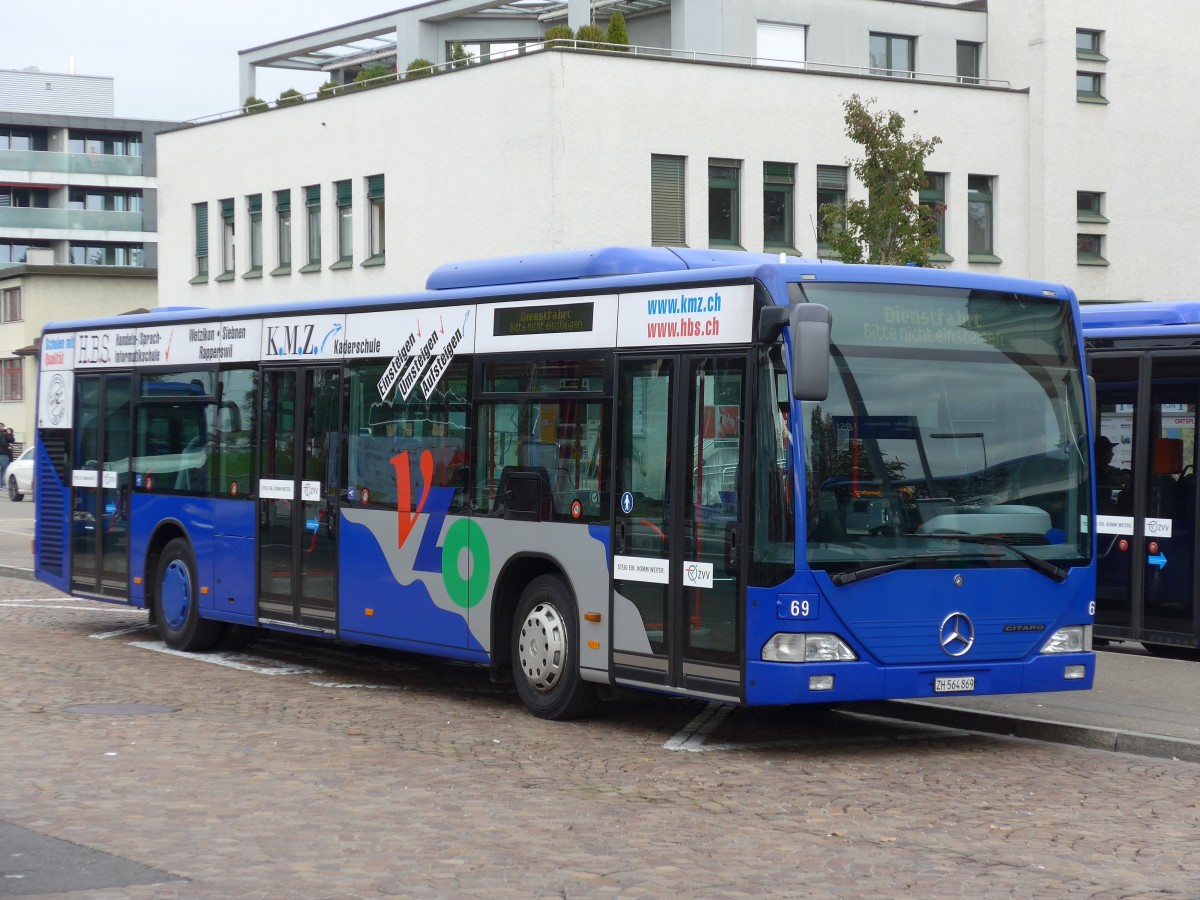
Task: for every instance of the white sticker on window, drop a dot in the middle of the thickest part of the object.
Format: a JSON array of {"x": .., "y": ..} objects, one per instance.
[
  {"x": 697, "y": 574},
  {"x": 1158, "y": 528},
  {"x": 275, "y": 489},
  {"x": 1114, "y": 524},
  {"x": 640, "y": 568}
]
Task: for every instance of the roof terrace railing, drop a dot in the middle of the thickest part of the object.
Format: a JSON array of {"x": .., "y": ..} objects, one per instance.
[{"x": 699, "y": 56}]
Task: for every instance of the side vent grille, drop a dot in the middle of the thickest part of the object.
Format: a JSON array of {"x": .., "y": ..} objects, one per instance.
[{"x": 52, "y": 487}]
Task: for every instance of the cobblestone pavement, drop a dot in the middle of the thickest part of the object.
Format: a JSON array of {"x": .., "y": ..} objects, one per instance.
[{"x": 321, "y": 771}]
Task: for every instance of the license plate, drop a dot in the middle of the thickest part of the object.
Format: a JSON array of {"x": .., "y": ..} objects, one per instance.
[{"x": 953, "y": 685}]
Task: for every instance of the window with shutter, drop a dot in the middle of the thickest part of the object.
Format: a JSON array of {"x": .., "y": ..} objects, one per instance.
[
  {"x": 283, "y": 227},
  {"x": 667, "y": 222},
  {"x": 345, "y": 210},
  {"x": 779, "y": 181},
  {"x": 376, "y": 220},
  {"x": 201, "y": 217},
  {"x": 832, "y": 185}
]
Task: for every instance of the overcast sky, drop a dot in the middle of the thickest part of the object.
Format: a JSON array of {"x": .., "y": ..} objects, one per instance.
[{"x": 171, "y": 60}]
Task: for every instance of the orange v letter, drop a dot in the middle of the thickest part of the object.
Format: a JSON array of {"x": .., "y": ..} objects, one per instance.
[{"x": 406, "y": 516}]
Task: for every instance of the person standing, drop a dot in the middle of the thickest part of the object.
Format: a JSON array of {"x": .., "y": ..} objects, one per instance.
[{"x": 6, "y": 442}]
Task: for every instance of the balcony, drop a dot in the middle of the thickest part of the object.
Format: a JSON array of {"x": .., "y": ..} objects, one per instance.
[
  {"x": 69, "y": 163},
  {"x": 70, "y": 219}
]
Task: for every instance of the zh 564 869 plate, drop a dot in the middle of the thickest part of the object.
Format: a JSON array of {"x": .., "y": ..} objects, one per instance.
[{"x": 953, "y": 685}]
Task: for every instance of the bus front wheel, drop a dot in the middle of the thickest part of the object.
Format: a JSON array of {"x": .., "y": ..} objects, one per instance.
[
  {"x": 177, "y": 601},
  {"x": 545, "y": 652}
]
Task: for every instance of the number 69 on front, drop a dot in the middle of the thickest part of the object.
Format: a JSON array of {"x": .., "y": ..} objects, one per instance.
[{"x": 797, "y": 606}]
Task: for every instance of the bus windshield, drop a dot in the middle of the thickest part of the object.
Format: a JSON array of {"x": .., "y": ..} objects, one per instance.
[{"x": 953, "y": 431}]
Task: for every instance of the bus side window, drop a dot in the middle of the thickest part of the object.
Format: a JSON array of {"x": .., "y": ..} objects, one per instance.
[{"x": 172, "y": 447}]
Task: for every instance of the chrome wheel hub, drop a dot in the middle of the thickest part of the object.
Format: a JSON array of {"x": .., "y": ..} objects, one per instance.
[{"x": 542, "y": 647}]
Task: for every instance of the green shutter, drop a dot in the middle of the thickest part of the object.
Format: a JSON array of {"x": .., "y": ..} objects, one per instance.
[
  {"x": 979, "y": 189},
  {"x": 313, "y": 195},
  {"x": 779, "y": 173},
  {"x": 283, "y": 201},
  {"x": 832, "y": 178},
  {"x": 343, "y": 192},
  {"x": 667, "y": 195},
  {"x": 723, "y": 175},
  {"x": 375, "y": 187},
  {"x": 254, "y": 203},
  {"x": 201, "y": 229},
  {"x": 934, "y": 190},
  {"x": 227, "y": 208}
]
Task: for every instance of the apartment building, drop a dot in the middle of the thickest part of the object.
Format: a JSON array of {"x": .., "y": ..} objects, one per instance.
[{"x": 78, "y": 216}]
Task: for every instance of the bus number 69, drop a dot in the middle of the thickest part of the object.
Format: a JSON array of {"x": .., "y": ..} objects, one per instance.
[{"x": 796, "y": 606}]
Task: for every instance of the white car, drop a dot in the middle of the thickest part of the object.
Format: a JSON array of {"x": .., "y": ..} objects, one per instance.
[{"x": 19, "y": 476}]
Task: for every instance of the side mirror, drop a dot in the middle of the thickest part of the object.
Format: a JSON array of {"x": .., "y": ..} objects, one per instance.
[{"x": 810, "y": 324}]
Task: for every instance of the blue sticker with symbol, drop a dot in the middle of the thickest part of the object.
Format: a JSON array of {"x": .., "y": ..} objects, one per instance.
[{"x": 627, "y": 503}]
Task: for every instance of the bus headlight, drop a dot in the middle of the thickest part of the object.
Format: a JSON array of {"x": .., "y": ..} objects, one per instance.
[
  {"x": 1072, "y": 639},
  {"x": 797, "y": 648}
]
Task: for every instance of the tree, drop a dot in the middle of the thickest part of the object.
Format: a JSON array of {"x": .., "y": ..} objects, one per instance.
[
  {"x": 617, "y": 34},
  {"x": 373, "y": 76},
  {"x": 418, "y": 68},
  {"x": 556, "y": 33},
  {"x": 253, "y": 104},
  {"x": 589, "y": 36},
  {"x": 289, "y": 97},
  {"x": 891, "y": 228},
  {"x": 460, "y": 57}
]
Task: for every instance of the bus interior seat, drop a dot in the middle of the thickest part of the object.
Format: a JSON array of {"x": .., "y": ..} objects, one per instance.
[{"x": 524, "y": 493}]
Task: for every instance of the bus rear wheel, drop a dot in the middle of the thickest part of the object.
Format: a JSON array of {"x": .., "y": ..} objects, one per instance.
[
  {"x": 545, "y": 652},
  {"x": 177, "y": 601}
]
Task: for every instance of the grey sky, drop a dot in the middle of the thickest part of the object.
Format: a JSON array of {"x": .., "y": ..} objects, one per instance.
[{"x": 170, "y": 60}]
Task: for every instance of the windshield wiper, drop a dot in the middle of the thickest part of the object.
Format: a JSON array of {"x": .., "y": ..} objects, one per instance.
[
  {"x": 1036, "y": 563},
  {"x": 841, "y": 578}
]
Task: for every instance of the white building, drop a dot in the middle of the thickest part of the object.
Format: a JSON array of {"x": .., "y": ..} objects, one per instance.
[{"x": 723, "y": 127}]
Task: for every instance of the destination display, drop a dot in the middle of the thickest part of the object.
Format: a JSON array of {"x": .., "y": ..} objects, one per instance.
[{"x": 565, "y": 319}]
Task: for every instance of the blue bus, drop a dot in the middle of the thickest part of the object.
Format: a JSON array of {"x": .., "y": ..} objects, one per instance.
[
  {"x": 747, "y": 478},
  {"x": 1147, "y": 371}
]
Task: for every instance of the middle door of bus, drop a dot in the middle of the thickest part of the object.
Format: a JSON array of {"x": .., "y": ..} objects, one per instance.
[
  {"x": 678, "y": 526},
  {"x": 299, "y": 485}
]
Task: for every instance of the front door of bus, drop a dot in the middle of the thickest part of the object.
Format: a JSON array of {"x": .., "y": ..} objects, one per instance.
[
  {"x": 298, "y": 497},
  {"x": 1146, "y": 497},
  {"x": 677, "y": 560},
  {"x": 100, "y": 486}
]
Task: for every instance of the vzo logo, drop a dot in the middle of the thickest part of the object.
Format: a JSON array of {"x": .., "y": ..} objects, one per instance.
[{"x": 464, "y": 558}]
